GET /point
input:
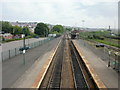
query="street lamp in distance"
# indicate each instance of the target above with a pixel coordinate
(83, 23)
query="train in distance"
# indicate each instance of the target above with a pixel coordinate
(74, 34)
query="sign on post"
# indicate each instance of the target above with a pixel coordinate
(109, 52)
(24, 51)
(23, 35)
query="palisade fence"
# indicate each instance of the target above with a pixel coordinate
(14, 52)
(114, 58)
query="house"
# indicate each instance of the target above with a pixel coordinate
(6, 36)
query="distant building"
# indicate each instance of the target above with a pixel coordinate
(50, 26)
(30, 25)
(6, 36)
(17, 36)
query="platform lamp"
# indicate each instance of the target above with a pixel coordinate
(83, 29)
(24, 46)
(109, 47)
(83, 22)
(28, 41)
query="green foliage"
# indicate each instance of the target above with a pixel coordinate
(58, 28)
(68, 29)
(99, 36)
(6, 27)
(17, 30)
(41, 29)
(33, 35)
(15, 39)
(108, 43)
(54, 32)
(26, 31)
(95, 35)
(9, 40)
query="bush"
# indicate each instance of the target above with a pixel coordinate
(54, 32)
(9, 40)
(108, 43)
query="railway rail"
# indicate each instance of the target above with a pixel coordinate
(68, 70)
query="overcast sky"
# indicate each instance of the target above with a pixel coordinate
(66, 12)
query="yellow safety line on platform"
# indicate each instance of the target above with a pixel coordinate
(42, 74)
(94, 75)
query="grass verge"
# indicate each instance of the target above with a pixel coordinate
(108, 43)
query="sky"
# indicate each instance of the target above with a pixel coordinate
(95, 13)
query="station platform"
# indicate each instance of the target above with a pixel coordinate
(35, 73)
(107, 75)
(31, 69)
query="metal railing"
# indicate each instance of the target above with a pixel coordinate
(14, 52)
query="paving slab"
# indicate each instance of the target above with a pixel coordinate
(28, 78)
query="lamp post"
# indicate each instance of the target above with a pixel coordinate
(116, 58)
(83, 22)
(24, 46)
(83, 29)
(28, 41)
(109, 48)
(109, 59)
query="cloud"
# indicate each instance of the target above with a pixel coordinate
(84, 1)
(95, 13)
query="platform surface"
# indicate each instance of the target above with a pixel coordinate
(18, 75)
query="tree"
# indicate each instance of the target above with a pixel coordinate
(25, 31)
(58, 28)
(6, 27)
(68, 29)
(41, 29)
(17, 30)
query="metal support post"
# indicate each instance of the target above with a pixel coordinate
(109, 59)
(2, 56)
(15, 52)
(9, 54)
(24, 58)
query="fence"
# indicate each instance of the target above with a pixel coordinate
(114, 58)
(110, 56)
(13, 52)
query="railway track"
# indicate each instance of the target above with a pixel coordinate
(67, 69)
(82, 77)
(53, 77)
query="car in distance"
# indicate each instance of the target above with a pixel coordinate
(100, 45)
(36, 37)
